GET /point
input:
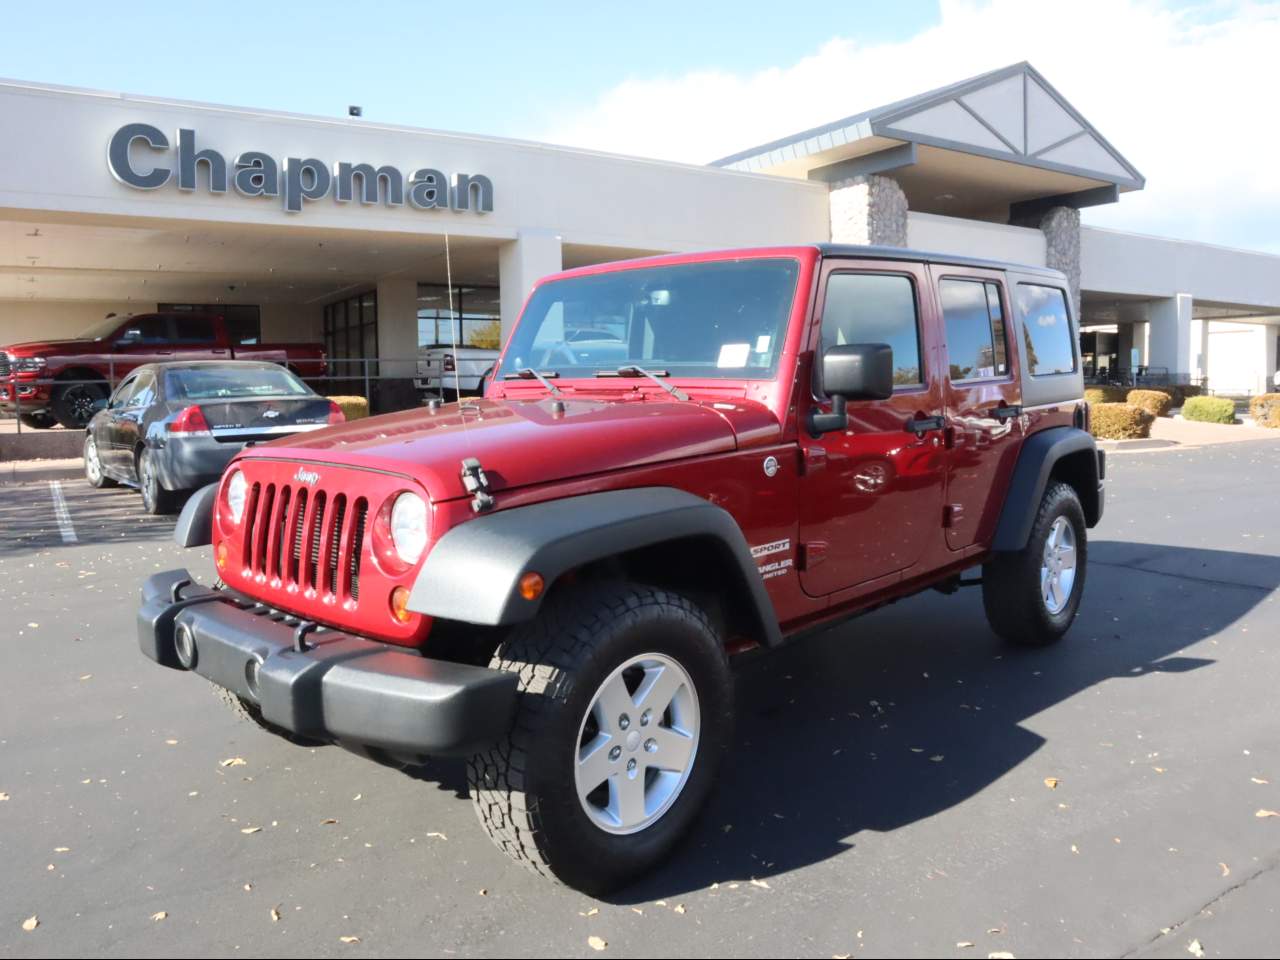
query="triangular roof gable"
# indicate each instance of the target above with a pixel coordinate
(1010, 114)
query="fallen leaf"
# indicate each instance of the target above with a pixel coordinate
(1259, 780)
(327, 820)
(30, 923)
(483, 892)
(159, 915)
(965, 944)
(172, 743)
(437, 834)
(595, 943)
(233, 762)
(937, 758)
(1195, 949)
(1226, 871)
(679, 908)
(3, 796)
(349, 939)
(1267, 813)
(61, 849)
(1052, 782)
(590, 913)
(248, 886)
(87, 676)
(275, 914)
(759, 883)
(1000, 955)
(250, 829)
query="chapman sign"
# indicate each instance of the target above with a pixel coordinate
(298, 180)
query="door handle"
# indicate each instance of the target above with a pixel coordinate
(922, 425)
(1007, 411)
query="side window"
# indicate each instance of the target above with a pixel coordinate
(1046, 329)
(145, 330)
(875, 308)
(144, 391)
(975, 329)
(193, 329)
(125, 388)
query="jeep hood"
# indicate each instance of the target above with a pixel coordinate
(523, 442)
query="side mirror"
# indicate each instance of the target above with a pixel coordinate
(852, 371)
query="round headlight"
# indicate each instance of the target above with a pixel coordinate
(237, 489)
(409, 526)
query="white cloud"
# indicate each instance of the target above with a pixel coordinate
(1188, 96)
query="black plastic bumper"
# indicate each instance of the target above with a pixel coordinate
(341, 688)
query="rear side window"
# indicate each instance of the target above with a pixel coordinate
(146, 330)
(144, 391)
(975, 329)
(190, 329)
(1046, 329)
(875, 308)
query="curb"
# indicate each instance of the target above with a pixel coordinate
(31, 471)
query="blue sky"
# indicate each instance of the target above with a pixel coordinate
(694, 81)
(503, 68)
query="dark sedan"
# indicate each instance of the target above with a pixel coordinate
(172, 427)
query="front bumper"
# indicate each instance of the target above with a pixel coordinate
(376, 698)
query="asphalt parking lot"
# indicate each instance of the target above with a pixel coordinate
(902, 785)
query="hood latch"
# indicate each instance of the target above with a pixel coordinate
(477, 484)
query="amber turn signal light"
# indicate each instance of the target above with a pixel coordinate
(400, 604)
(220, 554)
(531, 586)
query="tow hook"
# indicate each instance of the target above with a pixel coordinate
(477, 484)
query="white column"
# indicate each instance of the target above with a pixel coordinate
(521, 263)
(1171, 334)
(1200, 364)
(398, 325)
(1271, 334)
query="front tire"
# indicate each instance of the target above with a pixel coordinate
(93, 471)
(625, 710)
(1032, 596)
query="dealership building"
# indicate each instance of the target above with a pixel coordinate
(366, 235)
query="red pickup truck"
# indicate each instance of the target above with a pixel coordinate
(61, 381)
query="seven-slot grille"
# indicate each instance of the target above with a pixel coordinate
(308, 539)
(6, 365)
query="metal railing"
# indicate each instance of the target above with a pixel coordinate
(389, 384)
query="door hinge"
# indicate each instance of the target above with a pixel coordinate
(952, 514)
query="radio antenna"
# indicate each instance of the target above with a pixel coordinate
(453, 331)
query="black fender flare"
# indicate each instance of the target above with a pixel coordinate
(472, 573)
(195, 522)
(1040, 453)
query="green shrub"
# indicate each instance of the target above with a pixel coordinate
(353, 408)
(1265, 410)
(1119, 421)
(1104, 394)
(1209, 409)
(1155, 402)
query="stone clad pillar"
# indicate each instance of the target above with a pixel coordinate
(521, 263)
(868, 210)
(1061, 229)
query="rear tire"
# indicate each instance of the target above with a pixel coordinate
(156, 500)
(594, 655)
(1032, 596)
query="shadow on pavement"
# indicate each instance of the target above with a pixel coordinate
(28, 522)
(828, 729)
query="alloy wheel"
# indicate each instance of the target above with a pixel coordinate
(637, 743)
(1058, 566)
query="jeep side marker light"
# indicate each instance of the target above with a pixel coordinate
(400, 604)
(531, 585)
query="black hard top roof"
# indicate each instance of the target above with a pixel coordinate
(925, 256)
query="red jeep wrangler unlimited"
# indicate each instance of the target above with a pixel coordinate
(550, 580)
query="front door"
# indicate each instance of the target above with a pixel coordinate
(106, 434)
(871, 495)
(984, 421)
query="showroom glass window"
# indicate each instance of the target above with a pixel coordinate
(1046, 329)
(351, 339)
(476, 317)
(875, 308)
(974, 320)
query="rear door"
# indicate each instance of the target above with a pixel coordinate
(871, 495)
(984, 423)
(195, 337)
(127, 422)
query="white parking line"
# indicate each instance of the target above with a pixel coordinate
(62, 513)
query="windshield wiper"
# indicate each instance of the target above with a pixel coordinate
(635, 371)
(528, 373)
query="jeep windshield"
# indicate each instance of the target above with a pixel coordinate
(712, 319)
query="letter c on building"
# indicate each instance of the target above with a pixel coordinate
(118, 156)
